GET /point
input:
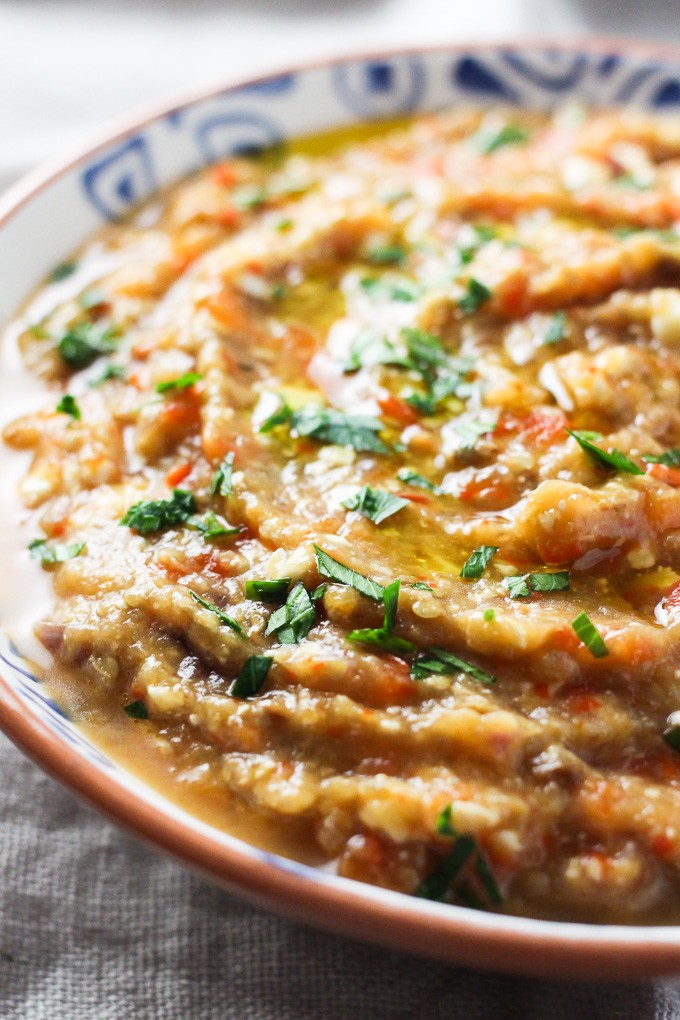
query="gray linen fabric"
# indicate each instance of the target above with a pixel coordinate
(95, 926)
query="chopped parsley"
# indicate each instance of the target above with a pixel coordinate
(269, 591)
(222, 479)
(228, 621)
(613, 460)
(477, 295)
(57, 553)
(443, 374)
(151, 515)
(484, 234)
(69, 405)
(84, 343)
(510, 134)
(375, 504)
(338, 572)
(110, 371)
(212, 526)
(251, 678)
(555, 329)
(283, 225)
(588, 633)
(470, 432)
(136, 710)
(370, 348)
(296, 617)
(464, 872)
(421, 586)
(521, 585)
(383, 637)
(249, 197)
(395, 288)
(671, 458)
(476, 564)
(183, 382)
(386, 255)
(62, 272)
(438, 660)
(281, 416)
(413, 478)
(329, 426)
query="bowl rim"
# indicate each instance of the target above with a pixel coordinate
(499, 942)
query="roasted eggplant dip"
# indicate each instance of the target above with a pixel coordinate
(357, 479)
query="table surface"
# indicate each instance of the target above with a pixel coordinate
(92, 924)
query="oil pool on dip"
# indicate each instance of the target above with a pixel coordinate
(357, 480)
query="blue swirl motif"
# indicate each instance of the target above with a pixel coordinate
(121, 178)
(233, 133)
(18, 674)
(384, 88)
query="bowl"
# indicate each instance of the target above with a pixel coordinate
(76, 196)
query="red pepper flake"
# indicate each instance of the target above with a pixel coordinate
(178, 473)
(397, 409)
(665, 473)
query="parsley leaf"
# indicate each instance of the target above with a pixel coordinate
(555, 329)
(386, 255)
(477, 295)
(392, 288)
(51, 554)
(338, 572)
(294, 620)
(84, 343)
(281, 416)
(228, 621)
(509, 134)
(329, 426)
(212, 526)
(613, 460)
(445, 878)
(136, 710)
(413, 478)
(222, 479)
(438, 660)
(69, 405)
(382, 637)
(370, 348)
(111, 371)
(470, 431)
(268, 591)
(671, 458)
(149, 516)
(62, 272)
(421, 586)
(183, 382)
(251, 678)
(476, 564)
(588, 633)
(521, 585)
(375, 504)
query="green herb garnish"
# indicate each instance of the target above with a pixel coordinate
(471, 431)
(252, 677)
(386, 255)
(136, 710)
(228, 621)
(477, 563)
(477, 295)
(370, 348)
(281, 416)
(294, 620)
(382, 637)
(330, 426)
(446, 878)
(555, 330)
(268, 591)
(375, 504)
(69, 405)
(250, 196)
(62, 272)
(671, 458)
(421, 586)
(509, 134)
(183, 382)
(149, 516)
(84, 343)
(613, 460)
(222, 479)
(590, 636)
(521, 585)
(109, 372)
(57, 553)
(438, 660)
(212, 526)
(413, 478)
(400, 288)
(338, 572)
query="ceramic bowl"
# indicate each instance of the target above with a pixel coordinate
(53, 210)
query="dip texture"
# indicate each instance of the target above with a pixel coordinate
(358, 479)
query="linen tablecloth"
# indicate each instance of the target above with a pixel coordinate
(93, 925)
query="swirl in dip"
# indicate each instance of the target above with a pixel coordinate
(357, 477)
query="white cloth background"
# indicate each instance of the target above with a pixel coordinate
(93, 926)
